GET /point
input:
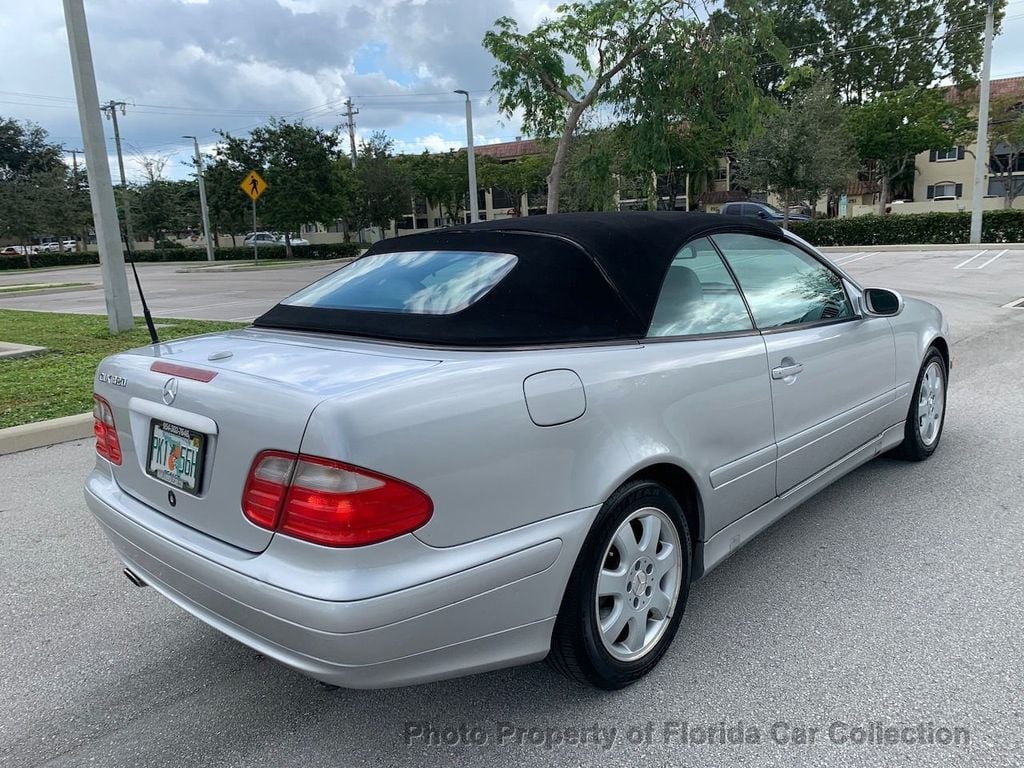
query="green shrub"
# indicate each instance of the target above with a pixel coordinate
(1006, 226)
(323, 251)
(54, 259)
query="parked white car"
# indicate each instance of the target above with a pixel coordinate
(18, 250)
(53, 246)
(296, 240)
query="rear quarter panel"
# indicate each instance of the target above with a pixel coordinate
(462, 433)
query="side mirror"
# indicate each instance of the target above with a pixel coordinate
(761, 214)
(881, 302)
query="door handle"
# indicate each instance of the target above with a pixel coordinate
(785, 371)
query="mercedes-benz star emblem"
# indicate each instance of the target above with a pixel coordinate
(170, 391)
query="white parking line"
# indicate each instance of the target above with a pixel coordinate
(964, 263)
(992, 259)
(860, 258)
(844, 256)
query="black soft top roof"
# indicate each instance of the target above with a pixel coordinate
(580, 277)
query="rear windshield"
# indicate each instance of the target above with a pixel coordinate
(414, 282)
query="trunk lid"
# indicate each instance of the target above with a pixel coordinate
(265, 387)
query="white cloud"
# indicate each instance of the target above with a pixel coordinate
(200, 66)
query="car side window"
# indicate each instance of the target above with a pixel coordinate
(698, 296)
(782, 284)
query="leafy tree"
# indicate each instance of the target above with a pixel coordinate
(516, 177)
(593, 170)
(351, 198)
(297, 162)
(160, 206)
(868, 47)
(1006, 137)
(443, 179)
(35, 196)
(25, 148)
(803, 152)
(230, 210)
(894, 127)
(384, 186)
(684, 102)
(781, 34)
(558, 71)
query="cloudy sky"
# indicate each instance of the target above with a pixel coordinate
(193, 66)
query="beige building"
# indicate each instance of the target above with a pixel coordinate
(944, 180)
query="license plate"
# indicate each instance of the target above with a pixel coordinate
(176, 455)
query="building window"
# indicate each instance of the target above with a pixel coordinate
(997, 187)
(945, 190)
(946, 155)
(722, 173)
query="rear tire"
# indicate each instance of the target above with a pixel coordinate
(628, 589)
(927, 413)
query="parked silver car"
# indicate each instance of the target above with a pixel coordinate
(486, 445)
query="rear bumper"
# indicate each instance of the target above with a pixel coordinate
(494, 607)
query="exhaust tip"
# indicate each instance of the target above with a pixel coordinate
(133, 578)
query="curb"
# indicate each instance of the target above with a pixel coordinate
(25, 437)
(44, 291)
(922, 247)
(227, 267)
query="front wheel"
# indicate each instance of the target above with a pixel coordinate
(627, 592)
(927, 413)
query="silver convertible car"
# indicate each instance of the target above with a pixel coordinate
(487, 445)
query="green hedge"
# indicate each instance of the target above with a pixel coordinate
(912, 228)
(323, 251)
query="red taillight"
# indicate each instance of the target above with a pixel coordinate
(107, 443)
(329, 502)
(266, 487)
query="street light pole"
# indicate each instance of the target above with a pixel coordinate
(981, 150)
(207, 234)
(474, 203)
(101, 189)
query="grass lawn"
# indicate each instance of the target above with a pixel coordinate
(59, 383)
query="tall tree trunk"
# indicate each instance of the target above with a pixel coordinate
(787, 194)
(287, 245)
(883, 193)
(561, 153)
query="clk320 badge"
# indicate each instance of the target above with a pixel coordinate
(111, 379)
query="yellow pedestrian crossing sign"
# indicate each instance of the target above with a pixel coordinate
(253, 185)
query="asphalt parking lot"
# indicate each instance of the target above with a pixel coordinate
(240, 294)
(893, 597)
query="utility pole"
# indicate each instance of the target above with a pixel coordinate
(350, 115)
(981, 153)
(74, 160)
(110, 110)
(204, 208)
(101, 191)
(474, 201)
